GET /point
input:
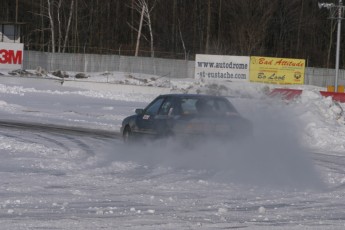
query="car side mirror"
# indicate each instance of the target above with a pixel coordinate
(139, 111)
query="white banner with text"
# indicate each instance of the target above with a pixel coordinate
(219, 67)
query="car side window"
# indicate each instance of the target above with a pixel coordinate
(188, 106)
(166, 106)
(153, 108)
(223, 106)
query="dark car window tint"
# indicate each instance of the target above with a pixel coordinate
(154, 107)
(206, 106)
(165, 108)
(223, 106)
(188, 106)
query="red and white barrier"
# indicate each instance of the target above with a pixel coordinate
(290, 94)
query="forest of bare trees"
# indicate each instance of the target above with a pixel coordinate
(178, 28)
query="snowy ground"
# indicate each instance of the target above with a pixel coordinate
(290, 176)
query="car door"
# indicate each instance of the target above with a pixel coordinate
(146, 121)
(163, 121)
(157, 117)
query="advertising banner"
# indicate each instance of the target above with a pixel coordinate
(218, 67)
(277, 70)
(11, 55)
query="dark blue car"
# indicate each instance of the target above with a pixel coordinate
(186, 116)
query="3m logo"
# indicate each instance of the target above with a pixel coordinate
(11, 56)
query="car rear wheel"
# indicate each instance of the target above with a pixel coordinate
(127, 134)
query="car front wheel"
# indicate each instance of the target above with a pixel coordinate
(127, 134)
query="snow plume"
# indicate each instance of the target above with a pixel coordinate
(323, 121)
(274, 156)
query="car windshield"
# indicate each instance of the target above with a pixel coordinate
(205, 105)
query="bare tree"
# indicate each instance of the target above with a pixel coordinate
(332, 29)
(41, 26)
(139, 30)
(219, 22)
(59, 25)
(182, 41)
(294, 28)
(52, 24)
(76, 28)
(173, 27)
(249, 22)
(208, 27)
(145, 17)
(149, 24)
(68, 26)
